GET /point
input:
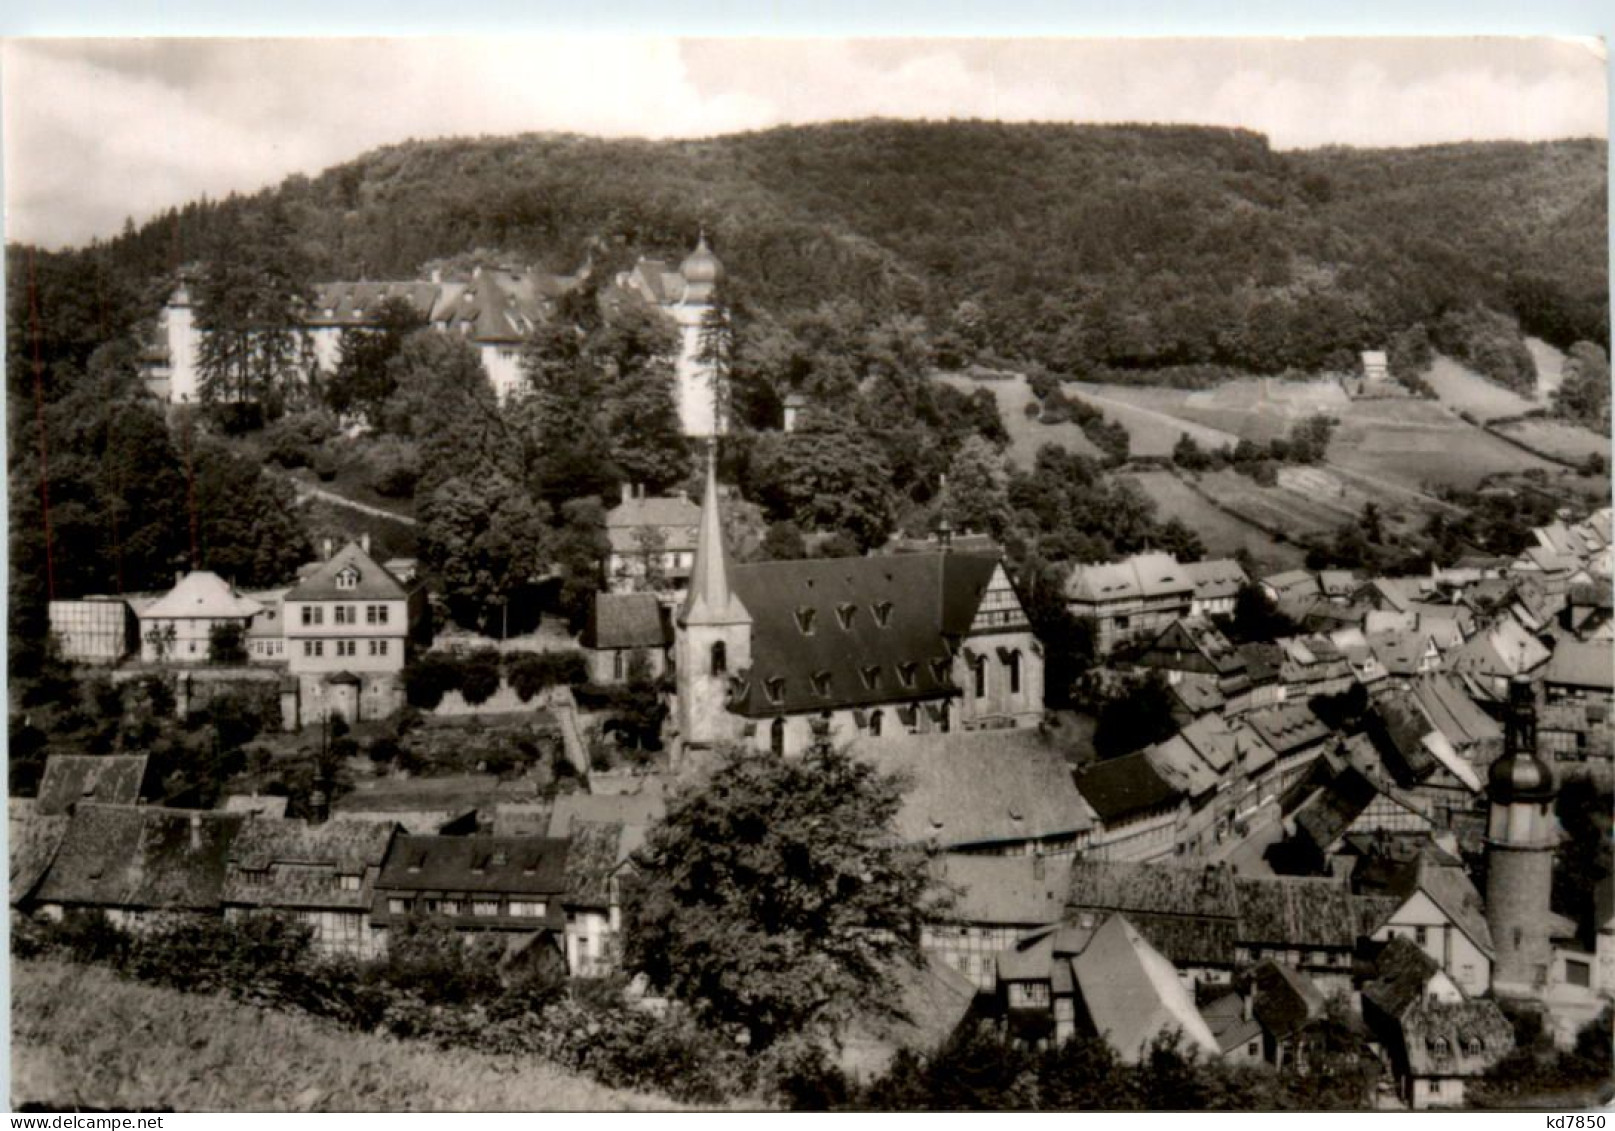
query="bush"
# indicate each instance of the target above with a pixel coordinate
(479, 676)
(295, 440)
(324, 465)
(395, 468)
(430, 677)
(532, 672)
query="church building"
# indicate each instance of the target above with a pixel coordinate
(776, 654)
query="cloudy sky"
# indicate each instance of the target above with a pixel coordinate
(97, 130)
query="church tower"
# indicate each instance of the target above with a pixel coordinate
(714, 632)
(1520, 837)
(700, 404)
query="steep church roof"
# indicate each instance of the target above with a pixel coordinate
(711, 600)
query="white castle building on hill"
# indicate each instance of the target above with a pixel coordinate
(494, 309)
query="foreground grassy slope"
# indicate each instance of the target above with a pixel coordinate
(81, 1037)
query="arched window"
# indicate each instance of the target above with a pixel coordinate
(980, 667)
(720, 658)
(776, 736)
(1014, 673)
(874, 724)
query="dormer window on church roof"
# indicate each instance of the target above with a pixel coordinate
(906, 672)
(844, 613)
(821, 684)
(871, 676)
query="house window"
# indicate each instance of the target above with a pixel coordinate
(1420, 935)
(381, 647)
(347, 883)
(485, 907)
(720, 658)
(616, 664)
(341, 616)
(1578, 973)
(375, 614)
(776, 736)
(398, 907)
(526, 908)
(348, 579)
(875, 719)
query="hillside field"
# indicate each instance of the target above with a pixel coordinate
(83, 1038)
(1026, 434)
(1222, 533)
(1558, 438)
(1464, 390)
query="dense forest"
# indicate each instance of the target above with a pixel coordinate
(859, 255)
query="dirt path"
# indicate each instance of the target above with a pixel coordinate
(308, 491)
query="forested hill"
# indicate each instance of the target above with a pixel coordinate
(1074, 247)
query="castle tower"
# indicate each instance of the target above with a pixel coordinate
(714, 632)
(700, 412)
(1520, 837)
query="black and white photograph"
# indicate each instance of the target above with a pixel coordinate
(559, 573)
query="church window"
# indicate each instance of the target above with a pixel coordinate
(776, 736)
(1012, 663)
(844, 613)
(883, 613)
(720, 658)
(979, 666)
(805, 615)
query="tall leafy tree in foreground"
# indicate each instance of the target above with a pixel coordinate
(775, 895)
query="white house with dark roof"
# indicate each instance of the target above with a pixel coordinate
(648, 535)
(177, 628)
(998, 901)
(347, 623)
(627, 636)
(1440, 912)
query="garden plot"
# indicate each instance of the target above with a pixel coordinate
(1026, 434)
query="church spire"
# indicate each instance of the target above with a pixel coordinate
(711, 601)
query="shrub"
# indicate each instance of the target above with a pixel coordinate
(429, 678)
(294, 441)
(532, 672)
(479, 676)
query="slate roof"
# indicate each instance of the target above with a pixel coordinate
(676, 516)
(1285, 999)
(1342, 798)
(1217, 578)
(1198, 693)
(355, 303)
(374, 583)
(1263, 662)
(1397, 728)
(1337, 582)
(1131, 993)
(1505, 649)
(1584, 665)
(930, 600)
(141, 857)
(1006, 890)
(106, 779)
(1178, 765)
(261, 804)
(201, 594)
(1140, 576)
(1188, 913)
(1199, 635)
(627, 620)
(572, 809)
(1430, 1027)
(280, 863)
(980, 787)
(1452, 712)
(1119, 789)
(1287, 729)
(507, 865)
(33, 839)
(1401, 972)
(1297, 911)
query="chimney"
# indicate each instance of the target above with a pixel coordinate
(196, 832)
(179, 576)
(326, 549)
(364, 543)
(627, 492)
(437, 275)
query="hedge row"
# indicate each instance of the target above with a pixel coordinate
(477, 675)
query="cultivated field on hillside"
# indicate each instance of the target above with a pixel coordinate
(1464, 390)
(1222, 533)
(1422, 446)
(1557, 438)
(83, 1038)
(1152, 428)
(1026, 434)
(1257, 409)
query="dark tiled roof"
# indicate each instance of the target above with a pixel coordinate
(1188, 914)
(1285, 998)
(280, 863)
(1119, 788)
(1011, 890)
(627, 620)
(1397, 728)
(70, 779)
(1297, 912)
(932, 600)
(1288, 728)
(374, 583)
(142, 858)
(1343, 797)
(1401, 972)
(980, 787)
(592, 856)
(1457, 1039)
(505, 865)
(1219, 577)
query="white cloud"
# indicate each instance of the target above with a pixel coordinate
(97, 130)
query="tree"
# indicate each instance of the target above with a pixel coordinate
(580, 553)
(1583, 394)
(365, 377)
(775, 895)
(250, 299)
(247, 523)
(976, 495)
(1135, 714)
(484, 541)
(825, 478)
(1256, 617)
(650, 546)
(783, 542)
(1188, 455)
(227, 643)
